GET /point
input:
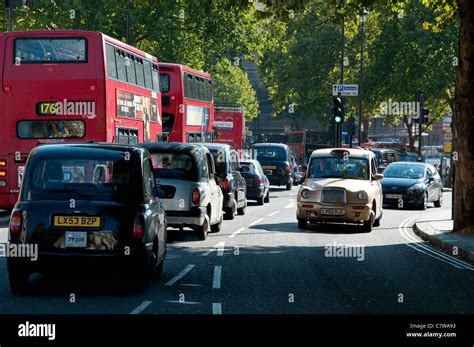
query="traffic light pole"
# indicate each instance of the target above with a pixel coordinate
(420, 123)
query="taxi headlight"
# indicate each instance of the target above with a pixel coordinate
(362, 195)
(305, 193)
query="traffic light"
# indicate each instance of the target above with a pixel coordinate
(425, 111)
(338, 111)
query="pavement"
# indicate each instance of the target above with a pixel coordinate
(438, 229)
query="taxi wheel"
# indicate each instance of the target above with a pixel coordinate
(19, 282)
(241, 211)
(288, 186)
(216, 227)
(367, 227)
(267, 197)
(202, 229)
(302, 223)
(261, 201)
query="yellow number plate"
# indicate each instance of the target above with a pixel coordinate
(76, 221)
(271, 167)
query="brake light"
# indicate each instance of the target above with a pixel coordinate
(3, 173)
(15, 223)
(196, 196)
(225, 184)
(139, 226)
(7, 88)
(255, 181)
(3, 163)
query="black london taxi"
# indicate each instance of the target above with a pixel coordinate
(88, 207)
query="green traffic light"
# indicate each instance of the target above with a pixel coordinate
(337, 119)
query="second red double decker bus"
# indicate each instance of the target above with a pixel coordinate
(61, 85)
(188, 104)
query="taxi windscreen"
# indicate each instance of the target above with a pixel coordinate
(339, 167)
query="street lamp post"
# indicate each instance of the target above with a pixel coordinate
(363, 17)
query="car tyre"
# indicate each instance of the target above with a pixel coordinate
(261, 201)
(230, 212)
(367, 226)
(302, 223)
(19, 281)
(288, 186)
(241, 211)
(202, 229)
(216, 227)
(424, 203)
(377, 221)
(267, 197)
(439, 202)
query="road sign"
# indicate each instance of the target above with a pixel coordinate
(345, 89)
(448, 137)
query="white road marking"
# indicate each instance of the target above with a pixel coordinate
(422, 248)
(216, 308)
(216, 284)
(180, 275)
(256, 222)
(236, 232)
(220, 247)
(273, 213)
(183, 302)
(141, 307)
(291, 204)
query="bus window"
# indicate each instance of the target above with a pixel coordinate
(111, 66)
(156, 79)
(51, 50)
(140, 72)
(164, 83)
(51, 129)
(121, 68)
(148, 79)
(130, 64)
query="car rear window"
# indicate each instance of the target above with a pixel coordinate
(219, 161)
(272, 153)
(178, 166)
(248, 167)
(94, 179)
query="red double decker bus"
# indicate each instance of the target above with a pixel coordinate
(61, 86)
(303, 142)
(229, 124)
(188, 104)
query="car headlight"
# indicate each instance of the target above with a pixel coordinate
(305, 193)
(417, 186)
(362, 195)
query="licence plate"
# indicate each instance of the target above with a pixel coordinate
(76, 239)
(333, 211)
(394, 196)
(76, 221)
(272, 167)
(268, 172)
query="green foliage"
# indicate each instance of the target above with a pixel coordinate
(232, 86)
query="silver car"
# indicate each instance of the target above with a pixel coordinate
(185, 173)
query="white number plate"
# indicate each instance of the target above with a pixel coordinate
(333, 211)
(76, 239)
(393, 196)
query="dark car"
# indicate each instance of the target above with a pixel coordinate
(384, 157)
(185, 172)
(412, 184)
(258, 186)
(230, 180)
(88, 207)
(275, 161)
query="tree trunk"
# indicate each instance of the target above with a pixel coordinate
(464, 122)
(365, 133)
